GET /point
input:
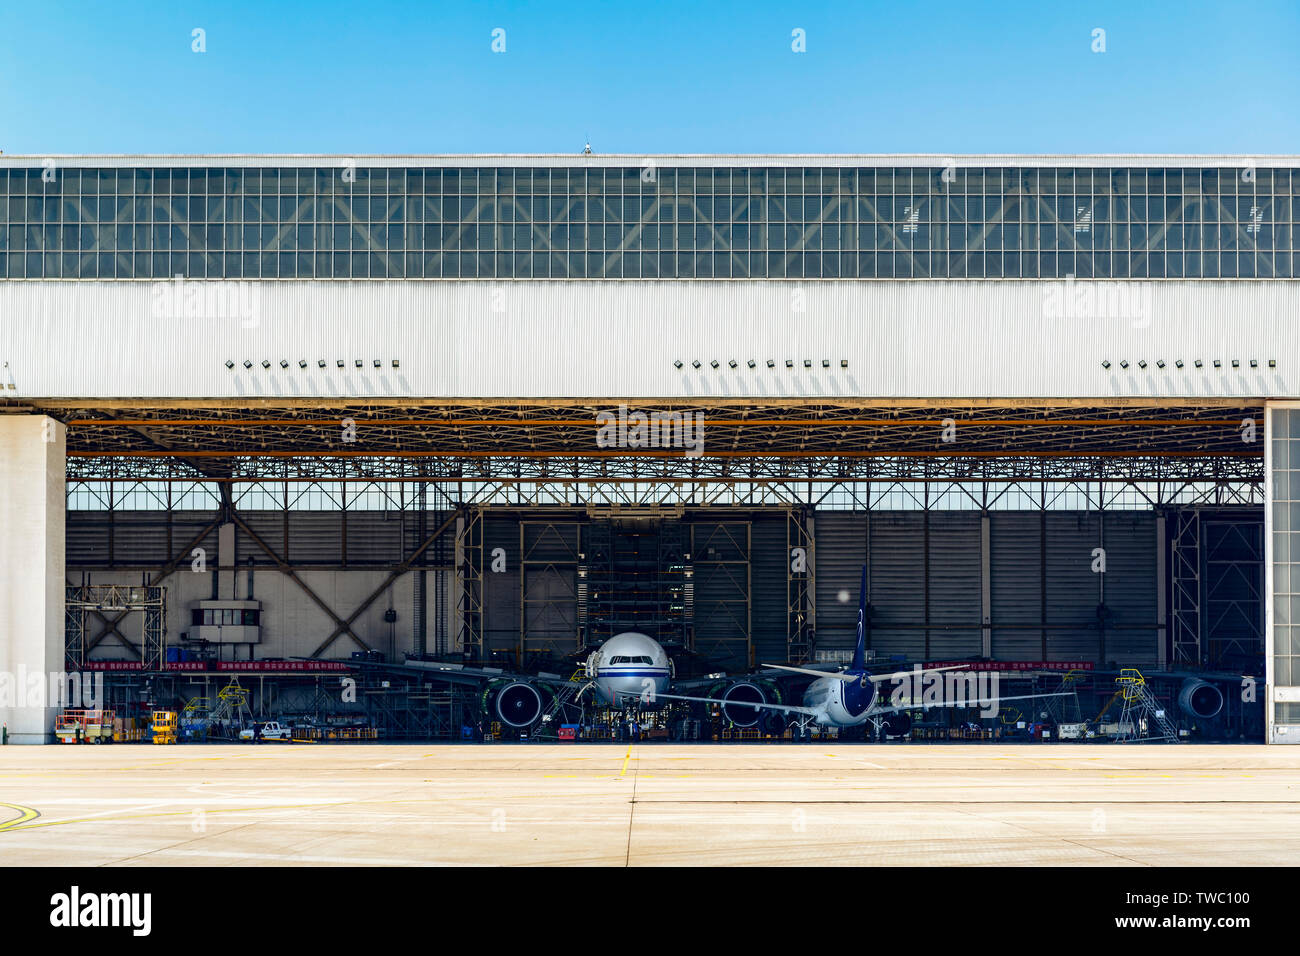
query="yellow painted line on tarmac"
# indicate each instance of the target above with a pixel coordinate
(24, 815)
(21, 825)
(626, 758)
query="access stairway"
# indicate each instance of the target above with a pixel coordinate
(1142, 717)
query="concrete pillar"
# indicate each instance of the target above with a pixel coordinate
(1282, 571)
(227, 562)
(33, 505)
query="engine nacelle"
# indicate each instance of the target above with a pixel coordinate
(518, 704)
(738, 695)
(1200, 699)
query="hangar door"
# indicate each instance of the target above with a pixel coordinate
(1046, 601)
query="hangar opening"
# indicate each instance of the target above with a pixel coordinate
(289, 565)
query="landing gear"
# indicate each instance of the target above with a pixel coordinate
(801, 729)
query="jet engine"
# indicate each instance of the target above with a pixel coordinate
(737, 696)
(1199, 699)
(518, 704)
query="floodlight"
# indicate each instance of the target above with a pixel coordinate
(230, 363)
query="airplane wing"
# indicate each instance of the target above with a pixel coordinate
(874, 678)
(976, 703)
(461, 674)
(837, 675)
(782, 708)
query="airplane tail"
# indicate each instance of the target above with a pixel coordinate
(860, 649)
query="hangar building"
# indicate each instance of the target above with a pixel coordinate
(273, 412)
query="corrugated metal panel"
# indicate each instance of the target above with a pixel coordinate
(139, 538)
(1072, 586)
(101, 339)
(501, 588)
(315, 537)
(374, 537)
(86, 539)
(1131, 587)
(897, 583)
(840, 550)
(768, 575)
(955, 584)
(1015, 558)
(268, 526)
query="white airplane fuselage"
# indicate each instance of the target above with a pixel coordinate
(629, 667)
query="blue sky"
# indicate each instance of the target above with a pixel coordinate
(364, 77)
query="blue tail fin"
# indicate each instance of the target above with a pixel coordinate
(860, 650)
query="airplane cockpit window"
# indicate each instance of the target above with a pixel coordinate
(631, 659)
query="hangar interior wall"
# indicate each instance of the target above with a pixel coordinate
(927, 572)
(925, 584)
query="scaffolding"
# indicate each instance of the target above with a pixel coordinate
(82, 602)
(469, 583)
(800, 588)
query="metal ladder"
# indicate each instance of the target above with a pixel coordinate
(549, 727)
(1139, 704)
